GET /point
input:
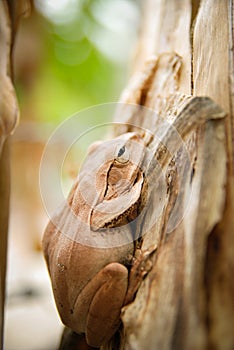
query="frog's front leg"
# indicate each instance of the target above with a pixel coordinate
(100, 303)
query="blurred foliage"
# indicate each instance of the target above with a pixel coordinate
(81, 57)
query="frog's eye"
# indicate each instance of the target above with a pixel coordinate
(122, 155)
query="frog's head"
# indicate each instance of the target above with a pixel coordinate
(112, 182)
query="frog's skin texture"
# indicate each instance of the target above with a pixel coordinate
(90, 283)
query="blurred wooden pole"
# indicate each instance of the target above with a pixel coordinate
(4, 214)
(10, 11)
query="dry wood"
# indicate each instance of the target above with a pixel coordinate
(186, 301)
(213, 76)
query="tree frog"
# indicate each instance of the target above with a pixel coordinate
(90, 244)
(90, 280)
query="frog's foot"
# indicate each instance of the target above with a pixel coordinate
(141, 266)
(107, 291)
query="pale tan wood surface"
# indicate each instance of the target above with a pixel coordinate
(186, 301)
(213, 76)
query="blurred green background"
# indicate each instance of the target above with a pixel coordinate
(69, 55)
(73, 54)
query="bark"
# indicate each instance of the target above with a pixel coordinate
(10, 11)
(186, 301)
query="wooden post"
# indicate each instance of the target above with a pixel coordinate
(10, 11)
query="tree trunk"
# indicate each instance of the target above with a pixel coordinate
(186, 300)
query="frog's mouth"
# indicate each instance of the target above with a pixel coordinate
(121, 202)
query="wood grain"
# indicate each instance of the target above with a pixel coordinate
(186, 301)
(213, 75)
